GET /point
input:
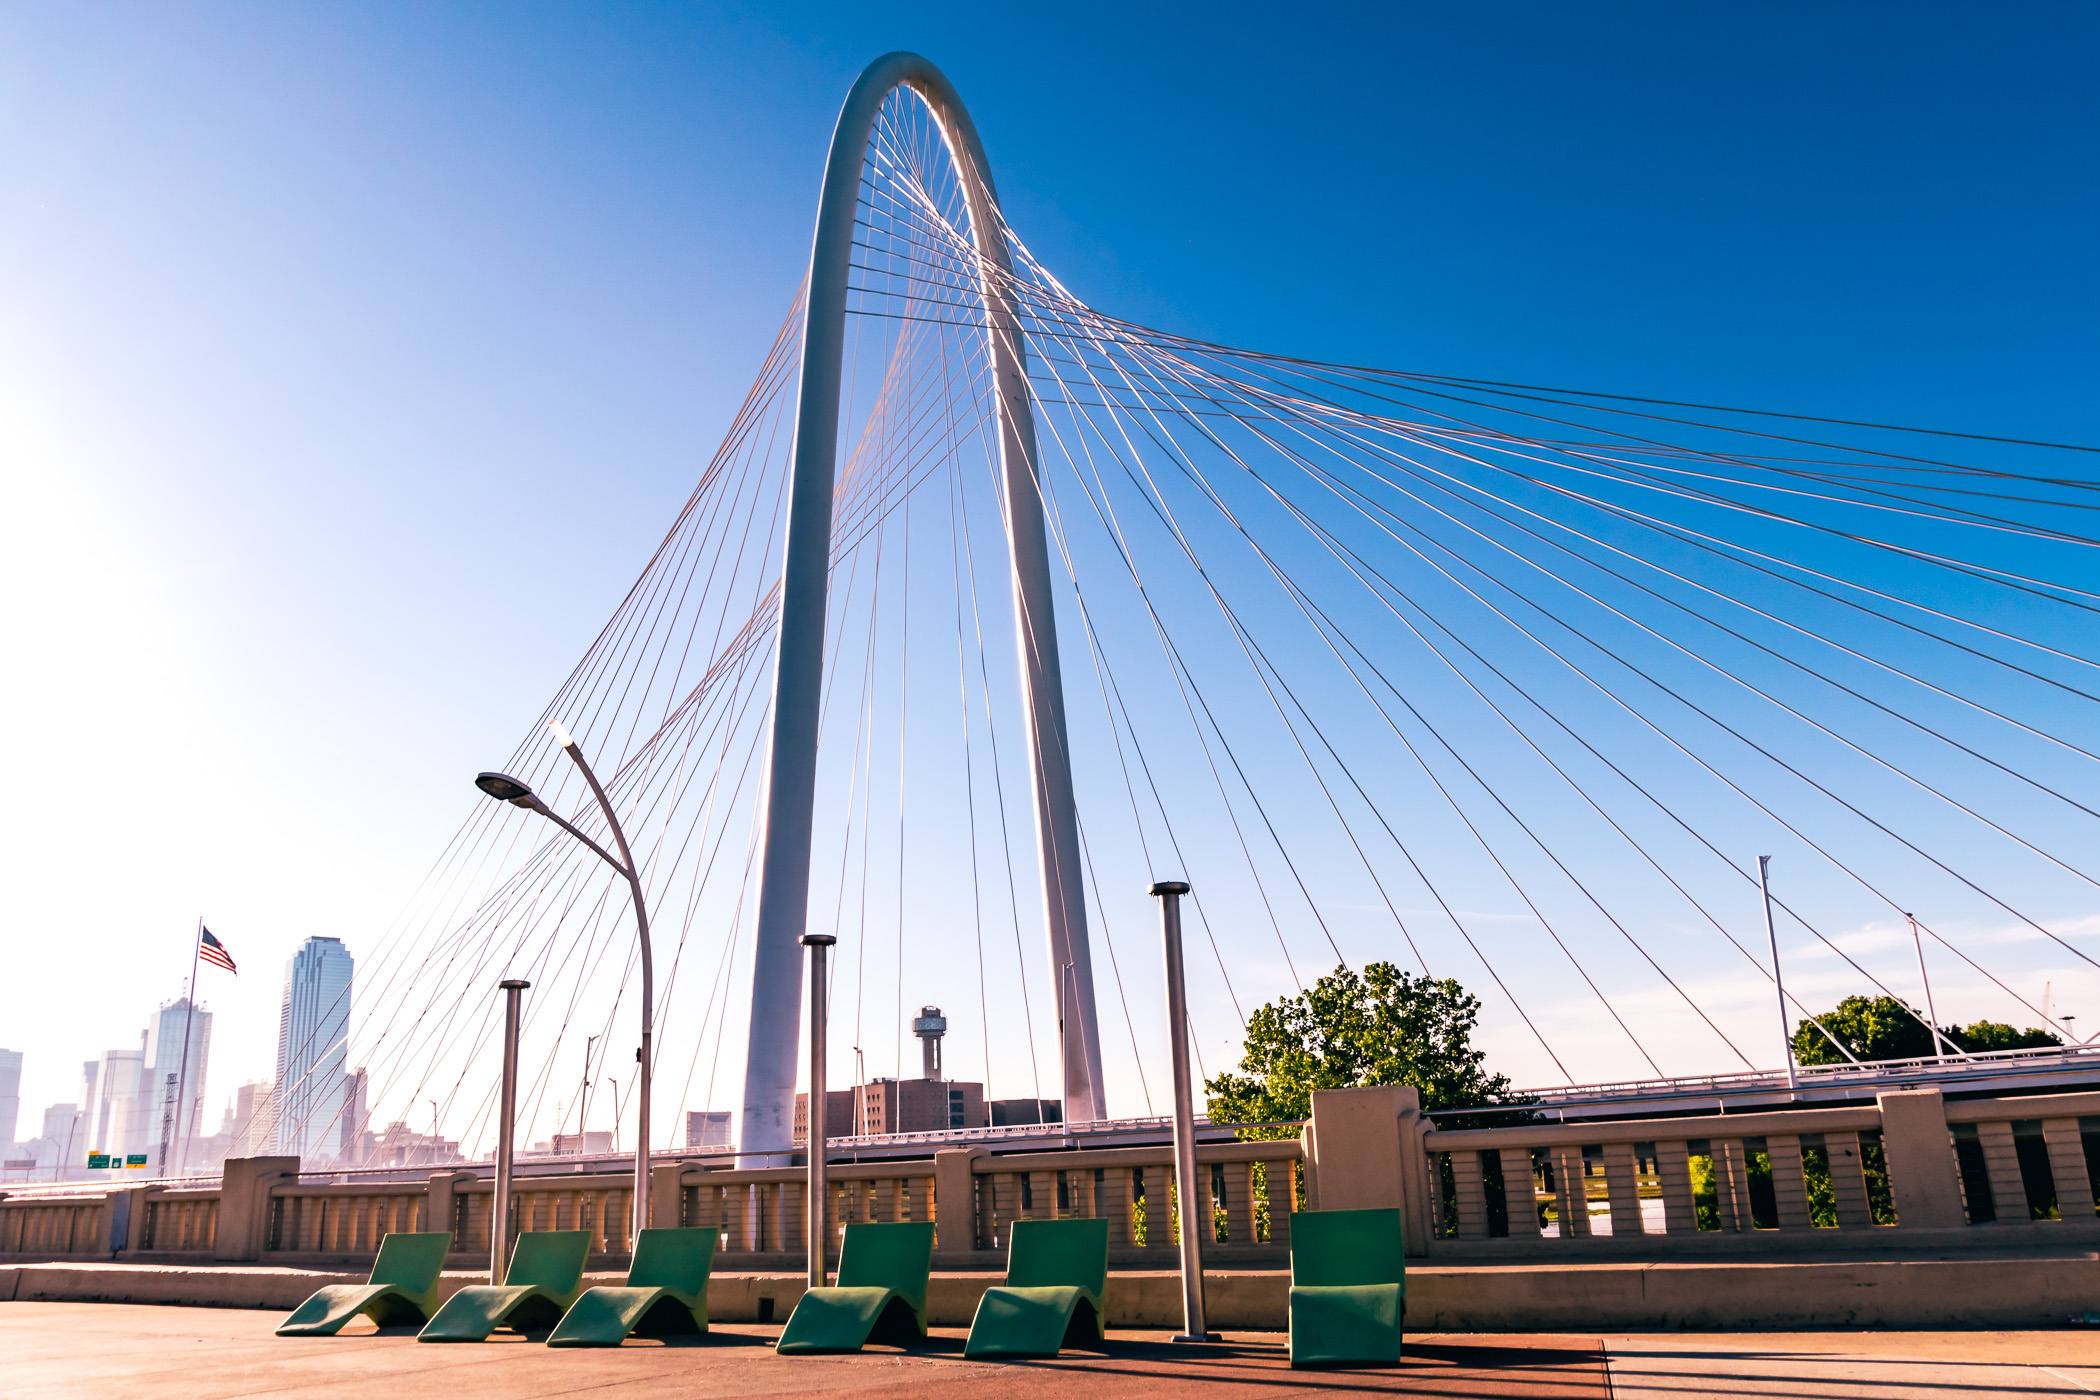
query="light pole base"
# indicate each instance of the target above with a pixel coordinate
(1194, 1337)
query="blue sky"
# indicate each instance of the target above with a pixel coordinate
(351, 362)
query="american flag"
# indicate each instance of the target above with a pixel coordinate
(214, 952)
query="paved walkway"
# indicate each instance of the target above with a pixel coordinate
(1891, 1365)
(66, 1351)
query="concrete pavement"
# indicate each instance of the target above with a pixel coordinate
(63, 1351)
(1888, 1365)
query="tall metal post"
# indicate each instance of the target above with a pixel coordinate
(1932, 1015)
(645, 1057)
(818, 944)
(505, 788)
(783, 894)
(506, 1116)
(182, 1076)
(1786, 1039)
(583, 1098)
(1192, 1195)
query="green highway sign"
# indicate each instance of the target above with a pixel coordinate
(97, 1161)
(136, 1159)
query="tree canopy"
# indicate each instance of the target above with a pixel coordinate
(1382, 1026)
(1885, 1028)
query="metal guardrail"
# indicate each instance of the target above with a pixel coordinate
(1988, 1072)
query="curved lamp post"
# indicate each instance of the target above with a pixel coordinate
(505, 788)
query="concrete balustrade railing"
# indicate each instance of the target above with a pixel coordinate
(1800, 1179)
(1251, 1196)
(1777, 1182)
(55, 1226)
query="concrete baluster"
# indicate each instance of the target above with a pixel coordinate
(1520, 1193)
(1731, 1184)
(1848, 1180)
(1673, 1169)
(1570, 1199)
(2074, 1186)
(2001, 1161)
(1239, 1202)
(1471, 1194)
(1789, 1186)
(1622, 1189)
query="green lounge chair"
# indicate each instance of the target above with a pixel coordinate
(666, 1293)
(403, 1288)
(1348, 1287)
(545, 1275)
(880, 1296)
(1056, 1273)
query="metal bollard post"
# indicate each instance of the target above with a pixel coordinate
(1193, 1195)
(819, 1217)
(507, 1112)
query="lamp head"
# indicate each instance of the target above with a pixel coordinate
(505, 788)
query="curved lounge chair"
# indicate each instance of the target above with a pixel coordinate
(1348, 1287)
(545, 1275)
(403, 1288)
(1056, 1272)
(665, 1294)
(880, 1295)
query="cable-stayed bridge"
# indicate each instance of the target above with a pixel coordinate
(990, 608)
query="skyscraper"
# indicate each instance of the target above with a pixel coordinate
(10, 1094)
(313, 1052)
(254, 1120)
(114, 1108)
(167, 1077)
(351, 1150)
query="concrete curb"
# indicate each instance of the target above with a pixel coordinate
(2002, 1293)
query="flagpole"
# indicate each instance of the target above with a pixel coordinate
(182, 1082)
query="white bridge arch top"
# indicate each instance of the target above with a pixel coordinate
(767, 1122)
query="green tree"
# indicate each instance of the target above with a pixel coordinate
(1981, 1036)
(1884, 1028)
(1382, 1026)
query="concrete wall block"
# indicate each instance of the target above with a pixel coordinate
(244, 1204)
(2003, 1293)
(2010, 1293)
(438, 1210)
(1919, 1150)
(1356, 1141)
(665, 1195)
(954, 1200)
(1418, 1189)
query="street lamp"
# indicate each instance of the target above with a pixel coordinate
(505, 788)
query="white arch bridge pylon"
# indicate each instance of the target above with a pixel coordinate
(1493, 682)
(791, 759)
